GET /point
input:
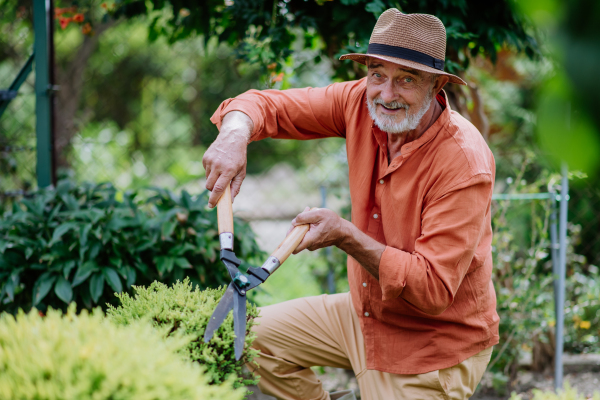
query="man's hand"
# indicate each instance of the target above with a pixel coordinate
(225, 160)
(326, 229)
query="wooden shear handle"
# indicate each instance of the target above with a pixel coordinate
(225, 211)
(291, 242)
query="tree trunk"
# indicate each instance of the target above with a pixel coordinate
(70, 82)
(478, 117)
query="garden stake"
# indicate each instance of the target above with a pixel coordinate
(235, 295)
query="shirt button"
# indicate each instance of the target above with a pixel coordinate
(375, 216)
(366, 314)
(365, 284)
(381, 181)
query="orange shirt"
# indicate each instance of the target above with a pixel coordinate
(434, 304)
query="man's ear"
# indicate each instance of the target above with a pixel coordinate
(440, 83)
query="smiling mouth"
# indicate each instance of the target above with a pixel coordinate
(392, 109)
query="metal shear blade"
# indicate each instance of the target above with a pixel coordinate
(234, 299)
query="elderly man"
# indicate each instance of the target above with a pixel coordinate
(420, 319)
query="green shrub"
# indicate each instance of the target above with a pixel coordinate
(568, 394)
(70, 243)
(185, 311)
(87, 357)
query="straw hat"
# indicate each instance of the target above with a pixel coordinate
(415, 41)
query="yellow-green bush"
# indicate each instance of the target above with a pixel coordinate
(185, 311)
(85, 357)
(568, 394)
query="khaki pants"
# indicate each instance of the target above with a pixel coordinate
(325, 331)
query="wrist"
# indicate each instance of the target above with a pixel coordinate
(346, 235)
(236, 126)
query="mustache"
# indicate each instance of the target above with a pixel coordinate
(392, 105)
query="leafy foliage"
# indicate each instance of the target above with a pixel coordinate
(264, 30)
(87, 357)
(568, 393)
(186, 312)
(523, 279)
(81, 243)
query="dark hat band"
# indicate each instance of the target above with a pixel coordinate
(406, 54)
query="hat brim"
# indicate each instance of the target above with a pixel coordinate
(362, 59)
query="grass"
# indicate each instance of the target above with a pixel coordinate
(291, 281)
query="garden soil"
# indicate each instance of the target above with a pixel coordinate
(584, 381)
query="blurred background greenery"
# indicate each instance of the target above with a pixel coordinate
(139, 80)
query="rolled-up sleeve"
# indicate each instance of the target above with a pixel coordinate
(308, 113)
(452, 226)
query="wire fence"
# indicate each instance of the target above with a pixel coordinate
(17, 123)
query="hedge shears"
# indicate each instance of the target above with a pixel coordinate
(235, 295)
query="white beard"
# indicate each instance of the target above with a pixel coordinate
(388, 124)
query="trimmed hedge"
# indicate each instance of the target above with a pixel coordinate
(183, 311)
(84, 242)
(87, 357)
(568, 393)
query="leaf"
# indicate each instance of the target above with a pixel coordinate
(167, 229)
(60, 231)
(12, 283)
(182, 262)
(186, 199)
(70, 202)
(164, 264)
(85, 297)
(142, 267)
(180, 250)
(376, 7)
(83, 234)
(95, 249)
(63, 289)
(67, 267)
(130, 275)
(116, 223)
(96, 286)
(112, 277)
(116, 261)
(178, 274)
(84, 271)
(5, 245)
(28, 252)
(146, 244)
(42, 286)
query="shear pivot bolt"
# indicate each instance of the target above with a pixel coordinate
(241, 280)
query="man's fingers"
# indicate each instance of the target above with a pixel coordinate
(236, 184)
(217, 190)
(211, 178)
(306, 217)
(302, 245)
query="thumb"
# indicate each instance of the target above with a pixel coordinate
(301, 218)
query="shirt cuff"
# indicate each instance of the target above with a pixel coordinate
(394, 266)
(245, 106)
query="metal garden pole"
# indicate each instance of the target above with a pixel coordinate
(42, 23)
(554, 247)
(562, 268)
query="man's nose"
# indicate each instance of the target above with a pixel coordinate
(388, 93)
